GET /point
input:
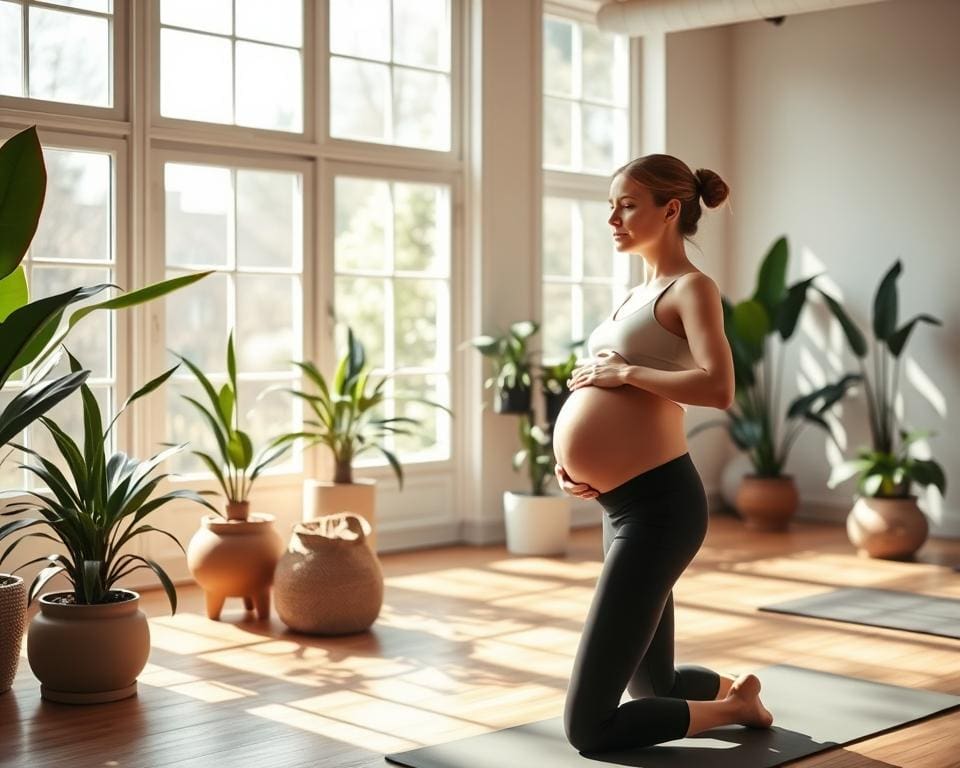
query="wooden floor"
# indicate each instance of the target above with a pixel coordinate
(472, 640)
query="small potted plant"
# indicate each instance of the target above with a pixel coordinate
(88, 645)
(768, 498)
(511, 366)
(553, 384)
(536, 522)
(886, 521)
(346, 418)
(233, 556)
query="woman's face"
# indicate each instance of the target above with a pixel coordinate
(636, 220)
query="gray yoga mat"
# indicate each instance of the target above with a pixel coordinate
(879, 608)
(813, 711)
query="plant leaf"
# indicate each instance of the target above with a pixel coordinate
(23, 185)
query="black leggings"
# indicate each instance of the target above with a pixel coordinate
(653, 525)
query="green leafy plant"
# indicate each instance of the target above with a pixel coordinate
(885, 469)
(510, 356)
(96, 508)
(29, 328)
(753, 420)
(553, 378)
(238, 466)
(536, 450)
(345, 417)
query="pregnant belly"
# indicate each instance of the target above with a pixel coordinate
(604, 436)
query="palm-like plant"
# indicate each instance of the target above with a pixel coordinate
(96, 510)
(344, 412)
(885, 469)
(238, 466)
(752, 422)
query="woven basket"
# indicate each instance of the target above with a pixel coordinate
(13, 618)
(329, 580)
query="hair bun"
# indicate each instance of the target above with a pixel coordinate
(713, 189)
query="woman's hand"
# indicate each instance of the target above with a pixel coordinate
(580, 490)
(605, 370)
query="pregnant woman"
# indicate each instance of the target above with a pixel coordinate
(620, 439)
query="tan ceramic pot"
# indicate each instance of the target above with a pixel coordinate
(88, 654)
(235, 558)
(323, 497)
(13, 617)
(892, 529)
(767, 503)
(329, 580)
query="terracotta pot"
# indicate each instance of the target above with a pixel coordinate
(892, 529)
(329, 581)
(234, 558)
(88, 654)
(767, 503)
(536, 525)
(322, 498)
(13, 618)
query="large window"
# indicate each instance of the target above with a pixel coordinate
(247, 224)
(390, 75)
(75, 245)
(392, 287)
(59, 50)
(233, 61)
(586, 136)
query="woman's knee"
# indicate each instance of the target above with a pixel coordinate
(583, 728)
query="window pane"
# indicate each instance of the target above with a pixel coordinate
(99, 6)
(269, 219)
(279, 21)
(69, 57)
(422, 228)
(557, 237)
(605, 66)
(598, 253)
(75, 222)
(360, 28)
(11, 53)
(557, 311)
(597, 304)
(359, 93)
(269, 87)
(264, 415)
(208, 16)
(196, 76)
(197, 322)
(557, 57)
(89, 341)
(557, 133)
(421, 109)
(199, 215)
(420, 306)
(421, 33)
(360, 303)
(430, 435)
(362, 210)
(186, 425)
(266, 308)
(600, 126)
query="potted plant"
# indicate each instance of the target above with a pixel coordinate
(553, 384)
(536, 523)
(345, 418)
(89, 644)
(886, 520)
(767, 498)
(233, 556)
(511, 366)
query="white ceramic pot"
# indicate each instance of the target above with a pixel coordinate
(536, 525)
(322, 498)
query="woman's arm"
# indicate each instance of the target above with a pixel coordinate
(712, 383)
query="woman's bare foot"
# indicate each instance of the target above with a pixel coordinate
(746, 692)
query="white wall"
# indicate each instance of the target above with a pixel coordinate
(844, 128)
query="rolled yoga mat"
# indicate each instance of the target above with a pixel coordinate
(879, 608)
(813, 711)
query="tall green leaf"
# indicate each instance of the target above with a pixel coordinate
(23, 184)
(771, 280)
(885, 303)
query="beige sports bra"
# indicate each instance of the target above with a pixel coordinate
(640, 339)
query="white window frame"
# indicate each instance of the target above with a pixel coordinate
(119, 83)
